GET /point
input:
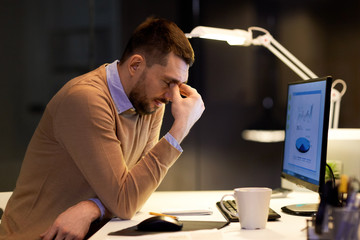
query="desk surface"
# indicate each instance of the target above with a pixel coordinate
(288, 227)
(4, 197)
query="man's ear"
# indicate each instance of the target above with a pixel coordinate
(135, 64)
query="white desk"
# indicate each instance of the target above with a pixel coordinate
(4, 197)
(288, 227)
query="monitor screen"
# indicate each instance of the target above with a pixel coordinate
(306, 129)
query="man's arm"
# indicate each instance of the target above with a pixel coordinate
(74, 223)
(121, 189)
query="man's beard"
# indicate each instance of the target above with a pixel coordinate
(139, 99)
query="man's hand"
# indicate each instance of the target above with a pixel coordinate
(186, 111)
(74, 223)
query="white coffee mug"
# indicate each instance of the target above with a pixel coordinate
(252, 206)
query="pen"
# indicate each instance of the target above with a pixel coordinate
(343, 188)
(161, 214)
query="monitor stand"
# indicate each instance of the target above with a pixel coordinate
(307, 209)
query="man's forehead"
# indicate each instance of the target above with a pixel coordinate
(176, 71)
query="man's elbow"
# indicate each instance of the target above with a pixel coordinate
(127, 214)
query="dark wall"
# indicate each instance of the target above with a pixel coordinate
(44, 43)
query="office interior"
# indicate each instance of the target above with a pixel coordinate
(45, 43)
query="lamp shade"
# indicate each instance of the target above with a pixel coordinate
(231, 36)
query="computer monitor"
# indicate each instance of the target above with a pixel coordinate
(306, 131)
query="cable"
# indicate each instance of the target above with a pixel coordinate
(332, 175)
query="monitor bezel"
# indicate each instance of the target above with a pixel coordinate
(298, 181)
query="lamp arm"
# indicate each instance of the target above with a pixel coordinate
(300, 69)
(285, 60)
(336, 96)
(304, 72)
(293, 59)
(283, 54)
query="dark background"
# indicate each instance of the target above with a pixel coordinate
(44, 43)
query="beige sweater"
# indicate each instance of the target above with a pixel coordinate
(82, 149)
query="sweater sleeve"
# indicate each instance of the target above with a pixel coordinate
(84, 126)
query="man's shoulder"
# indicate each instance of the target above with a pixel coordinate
(96, 78)
(90, 87)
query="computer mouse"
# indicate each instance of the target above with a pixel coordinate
(160, 224)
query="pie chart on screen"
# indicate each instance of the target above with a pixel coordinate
(303, 145)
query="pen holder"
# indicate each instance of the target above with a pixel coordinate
(346, 223)
(342, 224)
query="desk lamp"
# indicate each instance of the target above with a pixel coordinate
(240, 37)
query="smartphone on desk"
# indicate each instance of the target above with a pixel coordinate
(280, 192)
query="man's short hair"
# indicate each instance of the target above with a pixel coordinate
(155, 39)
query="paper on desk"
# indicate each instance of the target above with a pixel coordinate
(212, 234)
(188, 211)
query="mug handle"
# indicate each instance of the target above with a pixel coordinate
(222, 205)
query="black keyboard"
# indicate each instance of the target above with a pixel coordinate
(231, 206)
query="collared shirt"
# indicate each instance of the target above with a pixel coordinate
(117, 91)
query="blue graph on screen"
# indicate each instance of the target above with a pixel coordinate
(305, 113)
(302, 145)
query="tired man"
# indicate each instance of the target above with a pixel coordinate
(96, 152)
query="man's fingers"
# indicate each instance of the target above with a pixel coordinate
(49, 234)
(60, 236)
(175, 92)
(182, 90)
(186, 90)
(43, 234)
